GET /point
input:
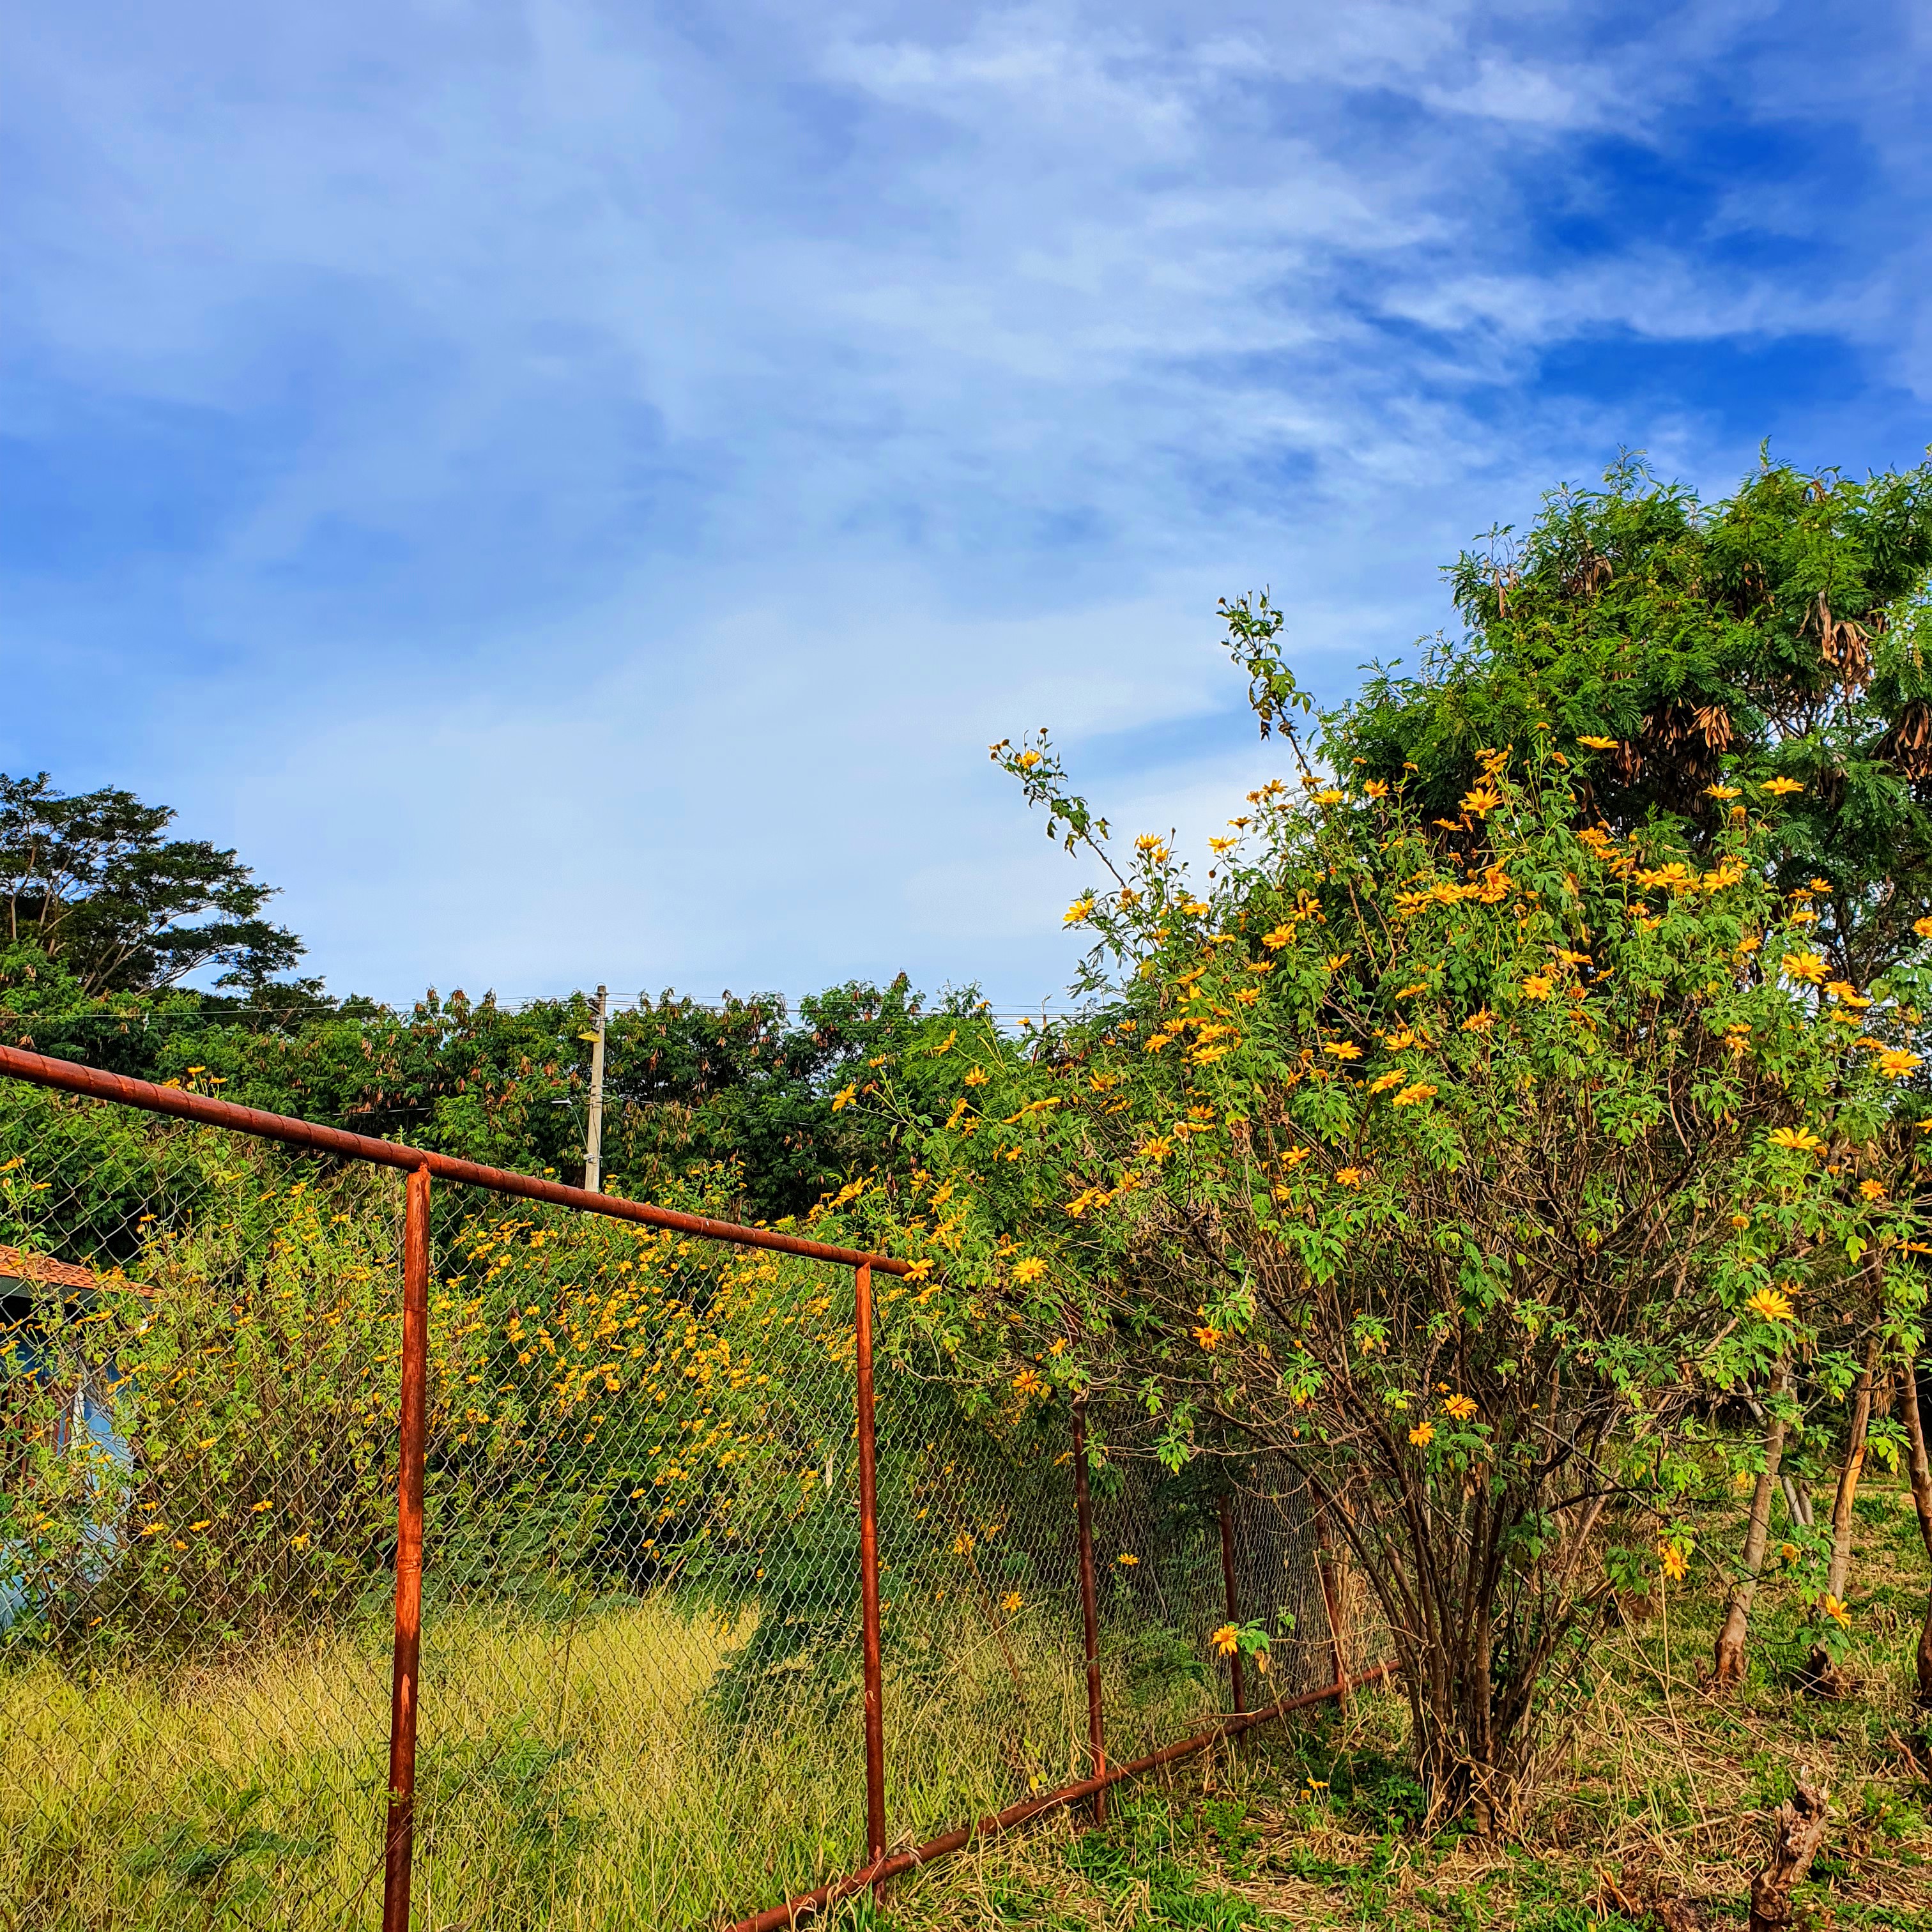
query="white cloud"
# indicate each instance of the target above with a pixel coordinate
(680, 442)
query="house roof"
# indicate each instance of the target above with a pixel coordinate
(15, 1264)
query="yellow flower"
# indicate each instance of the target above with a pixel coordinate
(1720, 791)
(1375, 788)
(1480, 1022)
(845, 1096)
(1027, 760)
(1923, 927)
(1012, 1601)
(1028, 1271)
(1836, 1610)
(257, 1508)
(1481, 800)
(1226, 1640)
(1423, 1434)
(1410, 1096)
(1127, 1558)
(1843, 990)
(1329, 795)
(1769, 1303)
(298, 1543)
(977, 1078)
(202, 1524)
(1872, 1190)
(1795, 1140)
(1349, 1176)
(1780, 787)
(1599, 744)
(1341, 1049)
(1897, 1063)
(1382, 1082)
(1460, 1406)
(1335, 961)
(1078, 911)
(1537, 986)
(1674, 1565)
(1282, 935)
(1207, 1337)
(1804, 966)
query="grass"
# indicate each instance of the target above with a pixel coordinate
(571, 1773)
(1659, 1786)
(577, 1774)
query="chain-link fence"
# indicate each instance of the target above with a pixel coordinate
(376, 1531)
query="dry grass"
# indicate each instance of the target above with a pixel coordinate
(577, 1776)
(1659, 1786)
(571, 1775)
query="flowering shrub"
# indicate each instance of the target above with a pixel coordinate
(245, 1359)
(1459, 1161)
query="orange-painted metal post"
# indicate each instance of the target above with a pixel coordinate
(1090, 1612)
(1234, 1605)
(399, 1838)
(1325, 1569)
(868, 1575)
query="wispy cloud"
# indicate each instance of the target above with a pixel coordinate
(572, 489)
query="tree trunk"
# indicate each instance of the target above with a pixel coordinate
(1798, 1501)
(1461, 1785)
(1798, 1830)
(1823, 1672)
(1852, 1468)
(1728, 1660)
(1922, 1498)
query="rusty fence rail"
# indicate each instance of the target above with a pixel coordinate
(616, 1499)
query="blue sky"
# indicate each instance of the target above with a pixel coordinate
(571, 490)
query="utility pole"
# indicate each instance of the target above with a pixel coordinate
(593, 1129)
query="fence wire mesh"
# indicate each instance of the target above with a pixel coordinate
(642, 1671)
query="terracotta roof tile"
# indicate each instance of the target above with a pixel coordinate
(18, 1264)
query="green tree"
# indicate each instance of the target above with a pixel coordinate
(1676, 647)
(90, 880)
(745, 1086)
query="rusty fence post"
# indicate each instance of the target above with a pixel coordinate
(869, 1572)
(399, 1835)
(1090, 1612)
(1324, 1570)
(1233, 1605)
